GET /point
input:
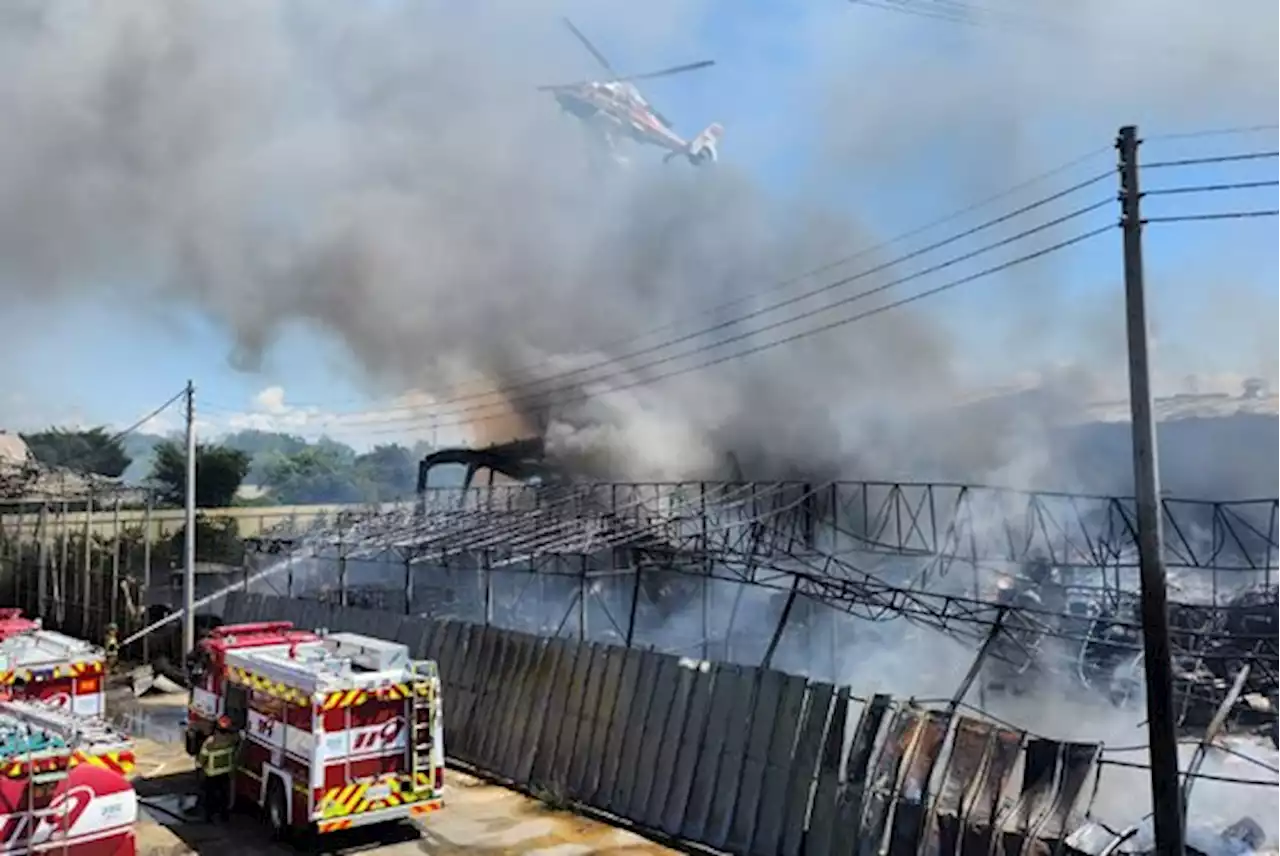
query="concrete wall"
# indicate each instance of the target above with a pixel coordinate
(739, 759)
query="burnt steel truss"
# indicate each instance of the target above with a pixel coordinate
(753, 521)
(952, 557)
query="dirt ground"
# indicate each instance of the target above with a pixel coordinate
(478, 818)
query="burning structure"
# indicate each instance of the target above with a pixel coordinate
(761, 571)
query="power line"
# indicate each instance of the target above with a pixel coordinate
(1210, 188)
(1077, 239)
(526, 394)
(1211, 132)
(829, 266)
(1225, 215)
(1240, 156)
(120, 435)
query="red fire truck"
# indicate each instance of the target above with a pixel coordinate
(63, 784)
(43, 664)
(337, 730)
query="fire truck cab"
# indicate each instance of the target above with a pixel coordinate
(43, 664)
(337, 730)
(64, 784)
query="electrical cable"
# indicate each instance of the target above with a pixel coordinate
(1209, 188)
(533, 397)
(829, 266)
(1211, 132)
(1232, 780)
(120, 435)
(1232, 158)
(746, 352)
(1225, 215)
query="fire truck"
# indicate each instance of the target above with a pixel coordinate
(337, 730)
(44, 664)
(64, 784)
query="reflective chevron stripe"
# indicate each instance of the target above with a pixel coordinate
(354, 798)
(258, 683)
(121, 762)
(344, 698)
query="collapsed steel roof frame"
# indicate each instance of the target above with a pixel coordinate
(874, 550)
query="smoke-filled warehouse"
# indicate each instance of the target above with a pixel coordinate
(790, 339)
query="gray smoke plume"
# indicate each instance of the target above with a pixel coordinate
(387, 174)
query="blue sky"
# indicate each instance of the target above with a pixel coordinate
(100, 361)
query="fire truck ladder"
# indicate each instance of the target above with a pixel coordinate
(425, 678)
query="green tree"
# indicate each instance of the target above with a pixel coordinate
(94, 451)
(322, 473)
(390, 471)
(219, 473)
(263, 447)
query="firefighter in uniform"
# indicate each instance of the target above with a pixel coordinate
(215, 764)
(111, 644)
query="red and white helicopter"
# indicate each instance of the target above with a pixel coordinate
(617, 108)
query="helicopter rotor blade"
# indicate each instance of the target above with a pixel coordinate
(675, 69)
(586, 43)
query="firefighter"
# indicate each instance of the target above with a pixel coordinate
(111, 644)
(215, 764)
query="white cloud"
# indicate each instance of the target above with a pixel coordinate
(405, 419)
(271, 400)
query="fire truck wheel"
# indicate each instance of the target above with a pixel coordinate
(277, 813)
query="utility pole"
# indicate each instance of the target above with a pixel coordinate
(1157, 656)
(189, 542)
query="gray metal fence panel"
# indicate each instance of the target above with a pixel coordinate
(822, 836)
(755, 759)
(697, 686)
(546, 664)
(668, 751)
(500, 697)
(450, 656)
(544, 764)
(629, 769)
(651, 792)
(601, 758)
(707, 770)
(776, 774)
(802, 780)
(486, 683)
(508, 746)
(737, 731)
(433, 641)
(571, 724)
(624, 701)
(470, 683)
(584, 753)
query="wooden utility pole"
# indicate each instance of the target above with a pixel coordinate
(1157, 654)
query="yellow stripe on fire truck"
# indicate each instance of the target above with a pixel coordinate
(344, 698)
(121, 762)
(261, 684)
(392, 692)
(353, 798)
(65, 670)
(118, 762)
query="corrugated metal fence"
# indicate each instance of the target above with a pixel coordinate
(735, 758)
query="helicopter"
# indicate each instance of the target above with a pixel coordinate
(616, 107)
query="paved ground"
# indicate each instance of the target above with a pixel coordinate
(478, 818)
